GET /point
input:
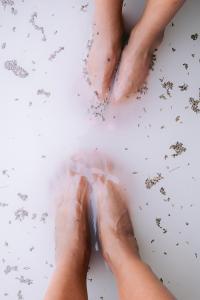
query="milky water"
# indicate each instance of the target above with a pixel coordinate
(48, 112)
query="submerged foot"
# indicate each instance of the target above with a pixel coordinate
(72, 228)
(114, 224)
(105, 52)
(135, 63)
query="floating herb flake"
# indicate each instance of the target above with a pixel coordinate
(21, 214)
(25, 280)
(7, 3)
(194, 36)
(183, 87)
(43, 92)
(39, 28)
(178, 148)
(54, 54)
(194, 105)
(158, 223)
(11, 65)
(150, 182)
(162, 191)
(167, 85)
(23, 197)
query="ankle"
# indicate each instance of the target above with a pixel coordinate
(70, 267)
(127, 261)
(108, 15)
(147, 39)
(111, 8)
(120, 253)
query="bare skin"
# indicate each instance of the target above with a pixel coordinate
(72, 239)
(135, 279)
(136, 57)
(118, 244)
(106, 47)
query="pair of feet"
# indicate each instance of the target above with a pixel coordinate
(116, 72)
(113, 221)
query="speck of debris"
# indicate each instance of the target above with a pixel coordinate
(25, 280)
(178, 148)
(39, 28)
(150, 182)
(54, 54)
(7, 3)
(158, 223)
(177, 118)
(43, 92)
(9, 269)
(162, 191)
(84, 7)
(3, 45)
(195, 104)
(173, 49)
(142, 91)
(168, 86)
(23, 197)
(167, 200)
(162, 96)
(13, 11)
(194, 36)
(34, 216)
(98, 110)
(44, 217)
(153, 61)
(19, 295)
(3, 204)
(21, 214)
(12, 65)
(183, 87)
(185, 66)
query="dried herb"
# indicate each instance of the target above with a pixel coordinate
(54, 54)
(39, 28)
(12, 65)
(194, 36)
(150, 182)
(162, 191)
(183, 87)
(178, 148)
(194, 105)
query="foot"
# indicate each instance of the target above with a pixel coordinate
(135, 62)
(114, 224)
(105, 52)
(72, 229)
